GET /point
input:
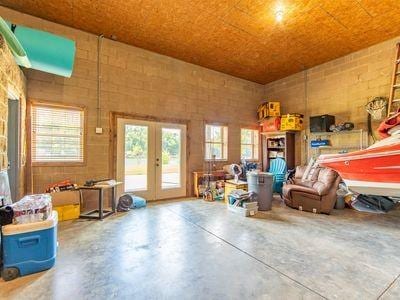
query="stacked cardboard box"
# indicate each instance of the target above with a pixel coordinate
(67, 204)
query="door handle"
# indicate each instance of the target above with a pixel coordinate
(28, 241)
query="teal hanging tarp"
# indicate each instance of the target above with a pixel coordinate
(15, 46)
(46, 51)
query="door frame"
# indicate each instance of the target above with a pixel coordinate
(14, 105)
(168, 192)
(139, 117)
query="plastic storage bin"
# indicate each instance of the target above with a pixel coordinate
(68, 212)
(29, 248)
(245, 212)
(250, 205)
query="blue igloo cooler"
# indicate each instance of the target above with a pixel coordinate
(29, 248)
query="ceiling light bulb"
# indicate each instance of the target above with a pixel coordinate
(279, 15)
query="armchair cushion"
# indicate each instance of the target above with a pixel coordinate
(321, 188)
(300, 188)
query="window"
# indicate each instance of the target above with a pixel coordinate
(249, 144)
(57, 134)
(216, 142)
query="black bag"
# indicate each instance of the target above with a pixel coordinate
(378, 203)
(6, 215)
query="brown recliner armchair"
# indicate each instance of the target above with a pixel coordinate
(315, 194)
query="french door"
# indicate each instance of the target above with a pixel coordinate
(151, 158)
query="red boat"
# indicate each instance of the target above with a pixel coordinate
(375, 170)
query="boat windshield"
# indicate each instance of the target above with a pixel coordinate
(394, 139)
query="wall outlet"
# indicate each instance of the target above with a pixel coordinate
(99, 130)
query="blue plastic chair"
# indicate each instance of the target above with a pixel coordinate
(278, 168)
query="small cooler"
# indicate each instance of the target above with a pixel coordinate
(29, 248)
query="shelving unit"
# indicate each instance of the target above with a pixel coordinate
(278, 144)
(199, 179)
(340, 142)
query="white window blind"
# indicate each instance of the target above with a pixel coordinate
(216, 142)
(249, 144)
(57, 134)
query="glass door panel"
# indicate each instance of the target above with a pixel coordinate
(136, 157)
(171, 158)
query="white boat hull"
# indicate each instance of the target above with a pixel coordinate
(374, 188)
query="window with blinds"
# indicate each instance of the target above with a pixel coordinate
(57, 134)
(216, 142)
(249, 144)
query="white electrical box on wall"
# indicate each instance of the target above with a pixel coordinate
(99, 130)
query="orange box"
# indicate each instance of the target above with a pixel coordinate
(271, 124)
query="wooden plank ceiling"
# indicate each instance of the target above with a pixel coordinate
(237, 37)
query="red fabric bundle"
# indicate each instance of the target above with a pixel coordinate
(389, 123)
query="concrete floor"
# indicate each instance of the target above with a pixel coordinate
(199, 250)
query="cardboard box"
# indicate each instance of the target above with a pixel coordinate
(271, 124)
(274, 109)
(262, 111)
(66, 198)
(292, 122)
(269, 109)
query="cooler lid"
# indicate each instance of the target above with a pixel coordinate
(29, 227)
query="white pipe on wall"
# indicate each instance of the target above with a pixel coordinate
(98, 108)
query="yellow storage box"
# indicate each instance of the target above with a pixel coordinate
(292, 122)
(269, 109)
(68, 212)
(274, 109)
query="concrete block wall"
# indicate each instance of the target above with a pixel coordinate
(12, 82)
(341, 87)
(141, 82)
(137, 81)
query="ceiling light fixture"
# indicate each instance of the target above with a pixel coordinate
(279, 15)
